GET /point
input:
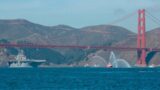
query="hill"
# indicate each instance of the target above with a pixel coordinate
(23, 31)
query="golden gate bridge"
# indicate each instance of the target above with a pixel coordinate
(141, 48)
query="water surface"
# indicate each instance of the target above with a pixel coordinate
(79, 79)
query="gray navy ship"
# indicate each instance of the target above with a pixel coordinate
(22, 61)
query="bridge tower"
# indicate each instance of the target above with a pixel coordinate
(141, 38)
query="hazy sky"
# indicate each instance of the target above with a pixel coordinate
(78, 13)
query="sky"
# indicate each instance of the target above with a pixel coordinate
(79, 13)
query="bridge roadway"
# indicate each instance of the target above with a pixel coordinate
(80, 47)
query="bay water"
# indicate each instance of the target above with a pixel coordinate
(79, 79)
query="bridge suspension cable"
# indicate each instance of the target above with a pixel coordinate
(122, 18)
(153, 18)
